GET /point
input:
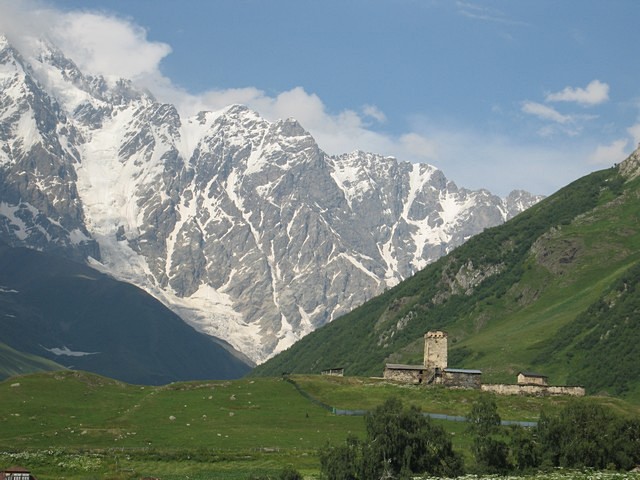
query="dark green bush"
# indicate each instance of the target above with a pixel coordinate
(400, 442)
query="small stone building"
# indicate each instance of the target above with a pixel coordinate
(334, 372)
(405, 373)
(530, 378)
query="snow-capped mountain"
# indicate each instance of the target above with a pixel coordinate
(244, 227)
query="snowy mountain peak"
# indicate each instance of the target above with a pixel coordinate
(291, 128)
(4, 41)
(244, 227)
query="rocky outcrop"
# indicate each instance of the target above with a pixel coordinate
(630, 168)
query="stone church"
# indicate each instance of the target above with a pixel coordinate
(434, 370)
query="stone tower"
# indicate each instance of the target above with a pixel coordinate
(435, 350)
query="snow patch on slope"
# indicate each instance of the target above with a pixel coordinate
(65, 351)
(351, 177)
(193, 130)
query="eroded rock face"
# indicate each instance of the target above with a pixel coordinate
(630, 168)
(39, 202)
(244, 227)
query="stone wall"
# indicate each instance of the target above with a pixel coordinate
(538, 390)
(404, 375)
(461, 380)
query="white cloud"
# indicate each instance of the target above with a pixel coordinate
(557, 123)
(484, 13)
(595, 93)
(106, 45)
(419, 147)
(374, 112)
(634, 131)
(609, 154)
(20, 19)
(545, 112)
(474, 159)
(99, 43)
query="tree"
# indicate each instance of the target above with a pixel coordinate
(408, 442)
(483, 417)
(524, 449)
(626, 447)
(344, 462)
(578, 437)
(400, 442)
(491, 453)
(288, 473)
(585, 434)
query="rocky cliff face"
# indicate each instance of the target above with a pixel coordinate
(39, 203)
(630, 168)
(246, 228)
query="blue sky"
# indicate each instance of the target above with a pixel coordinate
(498, 94)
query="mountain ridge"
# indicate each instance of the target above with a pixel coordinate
(245, 228)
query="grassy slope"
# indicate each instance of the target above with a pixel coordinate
(78, 409)
(13, 363)
(229, 427)
(591, 253)
(222, 429)
(555, 261)
(47, 301)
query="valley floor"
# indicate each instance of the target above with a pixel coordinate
(76, 425)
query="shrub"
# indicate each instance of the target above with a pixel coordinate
(400, 442)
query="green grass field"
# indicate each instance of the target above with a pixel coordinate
(76, 425)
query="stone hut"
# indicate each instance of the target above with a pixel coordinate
(529, 383)
(334, 372)
(405, 373)
(530, 378)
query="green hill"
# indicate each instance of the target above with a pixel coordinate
(554, 290)
(13, 363)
